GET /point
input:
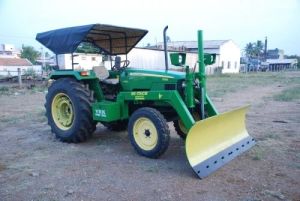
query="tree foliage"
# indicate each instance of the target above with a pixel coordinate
(87, 48)
(30, 53)
(254, 49)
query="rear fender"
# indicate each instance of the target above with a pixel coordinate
(90, 79)
(72, 73)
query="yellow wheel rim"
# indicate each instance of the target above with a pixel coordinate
(62, 111)
(145, 133)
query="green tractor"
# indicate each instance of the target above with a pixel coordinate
(141, 101)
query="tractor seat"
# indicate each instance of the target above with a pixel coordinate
(103, 74)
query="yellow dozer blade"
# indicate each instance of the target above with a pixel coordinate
(215, 141)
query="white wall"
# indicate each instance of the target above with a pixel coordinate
(154, 59)
(230, 54)
(13, 70)
(146, 59)
(86, 61)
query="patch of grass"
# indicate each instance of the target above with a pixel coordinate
(220, 85)
(2, 167)
(287, 95)
(10, 119)
(275, 194)
(41, 118)
(34, 116)
(37, 115)
(36, 89)
(4, 90)
(273, 136)
(257, 154)
(99, 142)
(152, 168)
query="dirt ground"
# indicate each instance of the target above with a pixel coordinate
(36, 166)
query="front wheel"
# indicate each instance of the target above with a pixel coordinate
(180, 128)
(149, 132)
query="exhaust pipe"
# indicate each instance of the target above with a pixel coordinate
(165, 48)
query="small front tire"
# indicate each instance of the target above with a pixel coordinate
(149, 132)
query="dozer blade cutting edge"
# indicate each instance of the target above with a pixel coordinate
(213, 142)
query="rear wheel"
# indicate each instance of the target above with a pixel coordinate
(148, 132)
(68, 109)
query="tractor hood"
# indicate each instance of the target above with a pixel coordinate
(173, 75)
(140, 79)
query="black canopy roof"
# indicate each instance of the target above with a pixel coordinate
(112, 40)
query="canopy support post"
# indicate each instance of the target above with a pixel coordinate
(72, 56)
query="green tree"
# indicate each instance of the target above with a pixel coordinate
(259, 49)
(254, 50)
(47, 55)
(249, 50)
(30, 53)
(85, 47)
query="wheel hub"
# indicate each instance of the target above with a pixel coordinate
(62, 111)
(145, 133)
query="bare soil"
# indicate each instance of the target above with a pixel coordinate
(34, 165)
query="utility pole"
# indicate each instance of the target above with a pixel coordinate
(20, 78)
(43, 58)
(266, 48)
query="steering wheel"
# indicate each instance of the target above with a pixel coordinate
(125, 63)
(121, 67)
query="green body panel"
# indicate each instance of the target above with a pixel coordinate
(189, 88)
(210, 108)
(209, 59)
(171, 97)
(138, 79)
(94, 85)
(201, 74)
(178, 59)
(106, 111)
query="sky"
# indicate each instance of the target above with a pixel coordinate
(242, 21)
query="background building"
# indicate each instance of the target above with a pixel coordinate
(82, 60)
(275, 54)
(9, 66)
(9, 51)
(227, 55)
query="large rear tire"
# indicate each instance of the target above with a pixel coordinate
(148, 132)
(68, 109)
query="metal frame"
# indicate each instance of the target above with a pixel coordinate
(110, 42)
